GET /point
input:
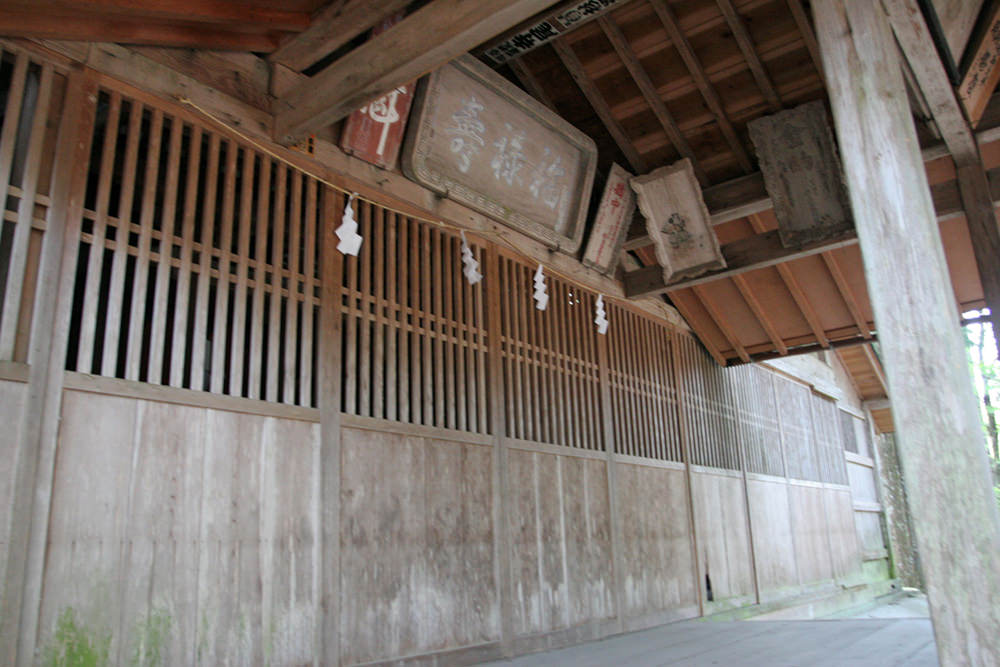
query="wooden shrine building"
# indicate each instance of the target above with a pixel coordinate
(442, 331)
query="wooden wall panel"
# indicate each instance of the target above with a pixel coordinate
(708, 398)
(723, 541)
(190, 527)
(658, 574)
(774, 542)
(844, 552)
(417, 538)
(560, 546)
(809, 528)
(13, 396)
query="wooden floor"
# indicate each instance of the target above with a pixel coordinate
(875, 642)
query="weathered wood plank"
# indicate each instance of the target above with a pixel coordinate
(393, 58)
(952, 503)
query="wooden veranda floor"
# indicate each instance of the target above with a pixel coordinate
(855, 642)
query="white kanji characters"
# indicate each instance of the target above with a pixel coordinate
(509, 157)
(466, 132)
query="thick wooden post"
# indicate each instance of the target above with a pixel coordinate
(34, 465)
(940, 439)
(327, 630)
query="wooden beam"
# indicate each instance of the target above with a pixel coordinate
(685, 312)
(876, 368)
(54, 25)
(747, 254)
(758, 311)
(918, 46)
(241, 75)
(201, 11)
(335, 25)
(808, 36)
(809, 348)
(530, 82)
(599, 104)
(845, 293)
(722, 322)
(976, 192)
(746, 45)
(397, 56)
(683, 46)
(955, 515)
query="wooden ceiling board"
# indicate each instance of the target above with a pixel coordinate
(772, 294)
(726, 300)
(821, 292)
(961, 261)
(850, 263)
(704, 325)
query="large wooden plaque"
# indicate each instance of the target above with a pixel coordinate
(801, 169)
(614, 215)
(483, 142)
(374, 133)
(678, 222)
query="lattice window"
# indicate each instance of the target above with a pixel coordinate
(708, 399)
(551, 380)
(31, 96)
(847, 428)
(415, 331)
(829, 440)
(794, 406)
(643, 395)
(199, 260)
(758, 419)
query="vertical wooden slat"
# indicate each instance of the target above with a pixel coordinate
(391, 313)
(350, 372)
(451, 332)
(181, 343)
(11, 122)
(427, 322)
(534, 387)
(506, 345)
(199, 379)
(403, 297)
(572, 415)
(237, 343)
(479, 293)
(258, 316)
(309, 219)
(294, 253)
(140, 276)
(277, 270)
(25, 214)
(378, 355)
(457, 280)
(417, 322)
(572, 335)
(440, 330)
(95, 261)
(471, 325)
(168, 231)
(557, 330)
(220, 332)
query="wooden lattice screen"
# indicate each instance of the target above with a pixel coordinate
(709, 403)
(758, 419)
(415, 331)
(31, 94)
(797, 430)
(198, 265)
(643, 392)
(829, 440)
(551, 378)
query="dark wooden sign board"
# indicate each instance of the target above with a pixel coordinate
(801, 169)
(374, 133)
(611, 223)
(481, 141)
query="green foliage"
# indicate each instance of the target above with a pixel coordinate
(74, 645)
(152, 635)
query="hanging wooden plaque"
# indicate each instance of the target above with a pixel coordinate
(614, 215)
(801, 170)
(374, 133)
(478, 139)
(678, 222)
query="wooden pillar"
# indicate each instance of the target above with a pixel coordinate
(34, 465)
(940, 439)
(326, 637)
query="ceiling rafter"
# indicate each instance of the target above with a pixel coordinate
(648, 90)
(746, 45)
(685, 311)
(808, 35)
(833, 266)
(758, 311)
(530, 82)
(599, 104)
(683, 46)
(722, 322)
